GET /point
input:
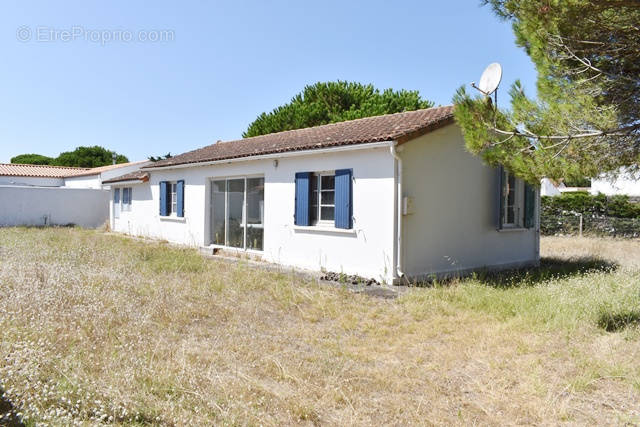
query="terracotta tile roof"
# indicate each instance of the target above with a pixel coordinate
(138, 175)
(95, 171)
(399, 127)
(46, 171)
(39, 171)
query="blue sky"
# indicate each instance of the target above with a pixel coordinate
(224, 63)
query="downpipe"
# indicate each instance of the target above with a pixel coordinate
(398, 267)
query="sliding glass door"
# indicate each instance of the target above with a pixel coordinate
(237, 213)
(218, 211)
(255, 213)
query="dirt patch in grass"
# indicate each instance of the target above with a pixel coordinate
(99, 328)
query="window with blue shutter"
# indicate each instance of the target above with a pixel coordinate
(164, 206)
(303, 189)
(344, 199)
(180, 197)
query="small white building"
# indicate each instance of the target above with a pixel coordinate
(56, 195)
(394, 197)
(624, 183)
(94, 177)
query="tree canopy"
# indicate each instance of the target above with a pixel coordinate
(32, 159)
(586, 119)
(331, 102)
(85, 157)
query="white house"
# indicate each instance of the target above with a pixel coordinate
(56, 195)
(623, 183)
(36, 175)
(390, 197)
(63, 176)
(94, 177)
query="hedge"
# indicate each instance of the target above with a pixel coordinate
(585, 203)
(602, 215)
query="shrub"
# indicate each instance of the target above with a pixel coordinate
(587, 204)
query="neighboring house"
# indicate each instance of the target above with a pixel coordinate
(94, 178)
(625, 183)
(63, 176)
(36, 175)
(56, 195)
(390, 197)
(549, 187)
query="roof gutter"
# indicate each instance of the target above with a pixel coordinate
(339, 148)
(127, 182)
(398, 205)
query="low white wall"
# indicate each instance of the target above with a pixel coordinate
(367, 251)
(455, 199)
(21, 205)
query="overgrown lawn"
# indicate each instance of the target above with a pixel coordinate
(101, 328)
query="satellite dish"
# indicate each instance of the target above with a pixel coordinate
(490, 79)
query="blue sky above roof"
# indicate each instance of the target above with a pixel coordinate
(85, 73)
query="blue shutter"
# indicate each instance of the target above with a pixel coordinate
(116, 196)
(529, 205)
(303, 189)
(180, 197)
(163, 199)
(344, 198)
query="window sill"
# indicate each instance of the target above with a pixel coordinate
(173, 218)
(510, 229)
(237, 251)
(319, 229)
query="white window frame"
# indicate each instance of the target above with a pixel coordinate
(318, 202)
(126, 207)
(173, 198)
(518, 203)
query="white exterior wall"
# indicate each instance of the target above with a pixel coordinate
(455, 202)
(31, 180)
(123, 170)
(52, 206)
(548, 188)
(625, 184)
(95, 181)
(87, 181)
(366, 251)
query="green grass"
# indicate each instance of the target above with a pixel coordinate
(101, 328)
(556, 302)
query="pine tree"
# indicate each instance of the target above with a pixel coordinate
(586, 119)
(332, 102)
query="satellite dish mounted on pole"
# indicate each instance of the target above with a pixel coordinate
(489, 82)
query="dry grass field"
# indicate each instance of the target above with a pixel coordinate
(100, 328)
